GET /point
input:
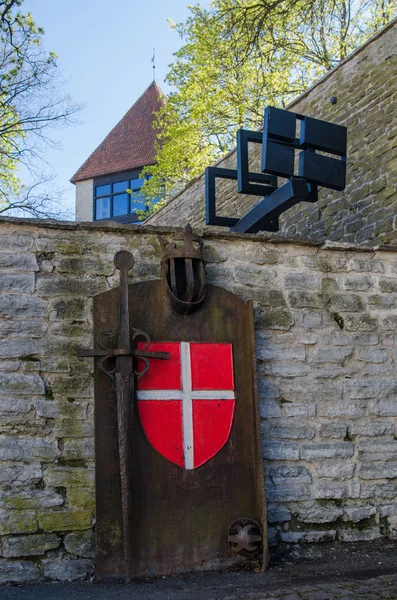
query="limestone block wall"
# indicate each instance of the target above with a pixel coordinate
(366, 91)
(325, 318)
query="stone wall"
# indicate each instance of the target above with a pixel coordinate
(325, 318)
(366, 91)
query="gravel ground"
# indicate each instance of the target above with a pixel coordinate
(324, 572)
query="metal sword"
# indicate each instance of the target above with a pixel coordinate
(124, 377)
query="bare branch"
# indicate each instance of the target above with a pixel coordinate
(31, 105)
(38, 200)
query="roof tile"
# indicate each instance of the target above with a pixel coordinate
(130, 144)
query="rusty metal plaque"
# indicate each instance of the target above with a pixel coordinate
(185, 511)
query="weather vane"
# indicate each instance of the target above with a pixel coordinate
(154, 64)
(321, 162)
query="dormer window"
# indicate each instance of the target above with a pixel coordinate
(111, 199)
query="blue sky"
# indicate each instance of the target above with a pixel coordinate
(105, 50)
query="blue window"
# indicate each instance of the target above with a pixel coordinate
(120, 186)
(120, 204)
(102, 208)
(136, 184)
(112, 200)
(138, 202)
(102, 190)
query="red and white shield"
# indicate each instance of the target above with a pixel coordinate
(186, 403)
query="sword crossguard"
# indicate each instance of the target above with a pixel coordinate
(100, 336)
(136, 334)
(140, 374)
(124, 262)
(105, 352)
(109, 372)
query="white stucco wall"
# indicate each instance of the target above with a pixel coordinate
(84, 200)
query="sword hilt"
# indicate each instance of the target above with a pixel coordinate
(124, 261)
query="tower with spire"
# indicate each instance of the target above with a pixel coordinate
(116, 164)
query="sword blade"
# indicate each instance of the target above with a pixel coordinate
(125, 391)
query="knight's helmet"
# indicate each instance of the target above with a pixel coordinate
(183, 271)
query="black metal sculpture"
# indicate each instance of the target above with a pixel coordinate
(279, 142)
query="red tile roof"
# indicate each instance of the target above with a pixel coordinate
(130, 144)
